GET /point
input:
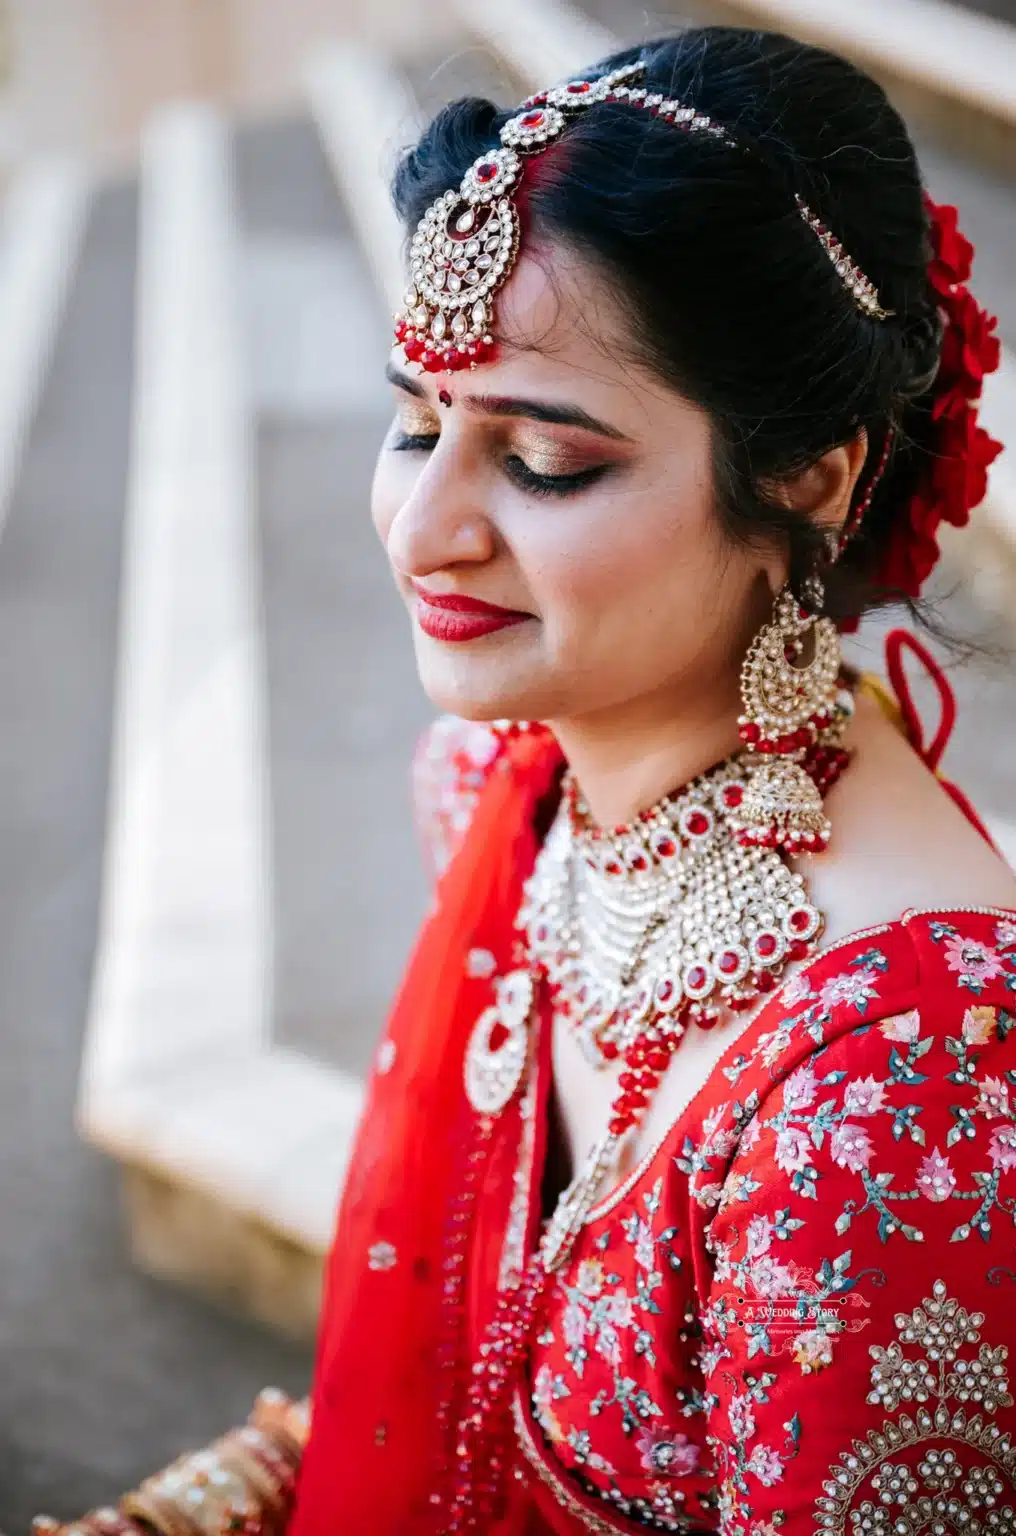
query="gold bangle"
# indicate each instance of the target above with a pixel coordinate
(262, 1450)
(284, 1421)
(98, 1522)
(244, 1465)
(199, 1495)
(160, 1513)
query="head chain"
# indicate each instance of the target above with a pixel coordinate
(467, 241)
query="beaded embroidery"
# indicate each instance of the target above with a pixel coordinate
(963, 1480)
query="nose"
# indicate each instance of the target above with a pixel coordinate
(441, 523)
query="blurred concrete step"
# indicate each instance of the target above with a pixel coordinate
(105, 1373)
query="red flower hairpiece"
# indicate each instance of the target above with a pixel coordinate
(960, 451)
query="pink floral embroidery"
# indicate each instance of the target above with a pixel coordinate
(793, 1148)
(768, 1278)
(973, 961)
(666, 1451)
(1002, 1148)
(935, 1178)
(797, 990)
(800, 1088)
(854, 987)
(902, 1027)
(851, 1147)
(864, 1096)
(813, 1351)
(993, 1098)
(766, 1464)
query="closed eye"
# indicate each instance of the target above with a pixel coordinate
(515, 468)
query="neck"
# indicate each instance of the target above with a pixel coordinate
(626, 759)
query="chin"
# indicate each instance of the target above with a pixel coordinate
(475, 692)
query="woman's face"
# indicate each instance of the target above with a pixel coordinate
(575, 490)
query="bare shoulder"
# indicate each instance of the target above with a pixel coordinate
(899, 841)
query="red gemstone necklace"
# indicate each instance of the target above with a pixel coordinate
(637, 933)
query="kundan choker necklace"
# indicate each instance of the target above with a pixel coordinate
(643, 930)
(634, 934)
(670, 918)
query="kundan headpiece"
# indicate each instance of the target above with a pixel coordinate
(465, 245)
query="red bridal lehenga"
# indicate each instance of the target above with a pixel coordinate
(792, 1316)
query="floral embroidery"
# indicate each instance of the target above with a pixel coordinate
(979, 1024)
(480, 963)
(450, 766)
(935, 1177)
(959, 1482)
(902, 1027)
(381, 1256)
(973, 961)
(831, 1114)
(855, 987)
(852, 989)
(739, 1462)
(674, 1377)
(664, 1450)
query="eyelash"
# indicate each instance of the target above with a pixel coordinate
(516, 469)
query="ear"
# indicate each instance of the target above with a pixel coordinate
(823, 492)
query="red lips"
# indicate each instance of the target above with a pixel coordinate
(453, 616)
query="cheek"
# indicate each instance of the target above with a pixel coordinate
(645, 564)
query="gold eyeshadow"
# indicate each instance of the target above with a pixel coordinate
(546, 456)
(416, 420)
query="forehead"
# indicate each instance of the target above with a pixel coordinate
(560, 327)
(557, 304)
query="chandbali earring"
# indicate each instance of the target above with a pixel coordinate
(794, 713)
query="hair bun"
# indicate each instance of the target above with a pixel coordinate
(923, 338)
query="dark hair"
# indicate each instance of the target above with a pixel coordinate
(731, 299)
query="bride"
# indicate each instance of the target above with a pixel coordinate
(685, 1192)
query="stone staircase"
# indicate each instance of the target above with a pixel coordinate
(210, 702)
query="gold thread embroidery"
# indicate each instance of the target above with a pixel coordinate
(567, 1500)
(946, 1489)
(513, 1248)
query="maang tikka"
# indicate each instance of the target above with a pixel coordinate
(467, 241)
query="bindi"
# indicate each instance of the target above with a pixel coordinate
(444, 397)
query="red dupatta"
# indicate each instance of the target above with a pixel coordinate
(385, 1350)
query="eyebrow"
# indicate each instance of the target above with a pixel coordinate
(511, 405)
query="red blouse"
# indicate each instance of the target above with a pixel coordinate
(794, 1315)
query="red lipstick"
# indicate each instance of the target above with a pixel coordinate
(450, 616)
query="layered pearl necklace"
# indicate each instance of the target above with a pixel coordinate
(670, 916)
(644, 930)
(636, 932)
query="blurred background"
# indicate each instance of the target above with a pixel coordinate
(208, 874)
